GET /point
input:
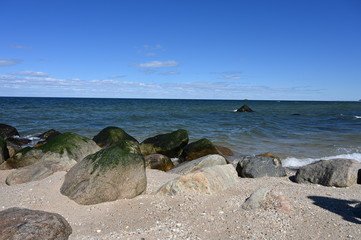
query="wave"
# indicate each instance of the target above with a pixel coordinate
(299, 162)
(357, 116)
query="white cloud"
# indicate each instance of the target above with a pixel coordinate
(31, 73)
(158, 64)
(170, 73)
(19, 47)
(234, 77)
(147, 71)
(9, 61)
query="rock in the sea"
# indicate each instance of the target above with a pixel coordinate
(4, 152)
(18, 141)
(47, 136)
(334, 172)
(111, 135)
(258, 166)
(26, 224)
(7, 131)
(169, 144)
(158, 161)
(207, 181)
(110, 174)
(197, 164)
(198, 149)
(38, 171)
(69, 146)
(244, 108)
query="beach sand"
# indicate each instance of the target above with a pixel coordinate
(318, 212)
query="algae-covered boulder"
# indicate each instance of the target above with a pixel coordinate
(198, 149)
(47, 136)
(169, 144)
(4, 153)
(68, 146)
(111, 135)
(110, 174)
(200, 163)
(158, 161)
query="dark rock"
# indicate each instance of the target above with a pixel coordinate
(18, 141)
(334, 172)
(258, 166)
(198, 149)
(244, 108)
(200, 163)
(110, 174)
(7, 131)
(224, 150)
(26, 224)
(270, 154)
(158, 161)
(47, 136)
(4, 152)
(111, 135)
(170, 144)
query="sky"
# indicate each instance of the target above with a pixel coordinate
(188, 49)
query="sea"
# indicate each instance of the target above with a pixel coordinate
(300, 132)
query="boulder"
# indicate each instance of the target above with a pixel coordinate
(38, 171)
(258, 166)
(69, 146)
(158, 161)
(111, 135)
(110, 174)
(197, 164)
(224, 150)
(244, 108)
(26, 224)
(206, 181)
(335, 172)
(169, 144)
(270, 154)
(18, 141)
(7, 131)
(47, 136)
(198, 149)
(4, 152)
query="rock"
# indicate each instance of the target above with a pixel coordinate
(26, 224)
(111, 135)
(198, 149)
(4, 152)
(244, 108)
(69, 146)
(206, 181)
(18, 141)
(270, 154)
(7, 131)
(335, 172)
(197, 164)
(169, 144)
(110, 174)
(38, 171)
(258, 166)
(158, 161)
(47, 136)
(266, 199)
(224, 150)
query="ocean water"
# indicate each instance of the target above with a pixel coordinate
(300, 132)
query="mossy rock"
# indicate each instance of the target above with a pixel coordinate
(169, 144)
(198, 149)
(4, 153)
(111, 135)
(158, 161)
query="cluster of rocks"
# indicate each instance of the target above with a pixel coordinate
(113, 164)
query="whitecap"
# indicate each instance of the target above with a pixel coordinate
(357, 116)
(299, 162)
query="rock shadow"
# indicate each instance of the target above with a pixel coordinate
(349, 210)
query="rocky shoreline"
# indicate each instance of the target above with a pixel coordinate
(113, 187)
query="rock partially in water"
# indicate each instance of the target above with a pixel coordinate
(112, 135)
(197, 149)
(8, 131)
(244, 108)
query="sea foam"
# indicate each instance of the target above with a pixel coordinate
(299, 162)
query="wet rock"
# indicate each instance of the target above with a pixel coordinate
(47, 136)
(224, 150)
(8, 131)
(244, 108)
(111, 135)
(200, 163)
(4, 152)
(259, 166)
(18, 141)
(158, 161)
(198, 149)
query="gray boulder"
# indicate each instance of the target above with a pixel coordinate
(115, 172)
(334, 172)
(197, 149)
(26, 224)
(158, 161)
(197, 164)
(169, 144)
(259, 166)
(111, 135)
(4, 152)
(8, 131)
(206, 181)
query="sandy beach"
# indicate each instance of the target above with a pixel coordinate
(317, 212)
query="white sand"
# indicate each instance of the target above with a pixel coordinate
(219, 216)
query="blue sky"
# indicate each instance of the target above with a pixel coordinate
(270, 49)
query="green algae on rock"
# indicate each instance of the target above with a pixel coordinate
(111, 135)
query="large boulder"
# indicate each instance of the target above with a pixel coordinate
(8, 131)
(4, 152)
(206, 181)
(197, 149)
(335, 172)
(47, 136)
(26, 224)
(197, 164)
(244, 108)
(158, 161)
(111, 135)
(259, 166)
(169, 144)
(67, 146)
(115, 172)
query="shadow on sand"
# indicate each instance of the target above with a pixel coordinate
(349, 210)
